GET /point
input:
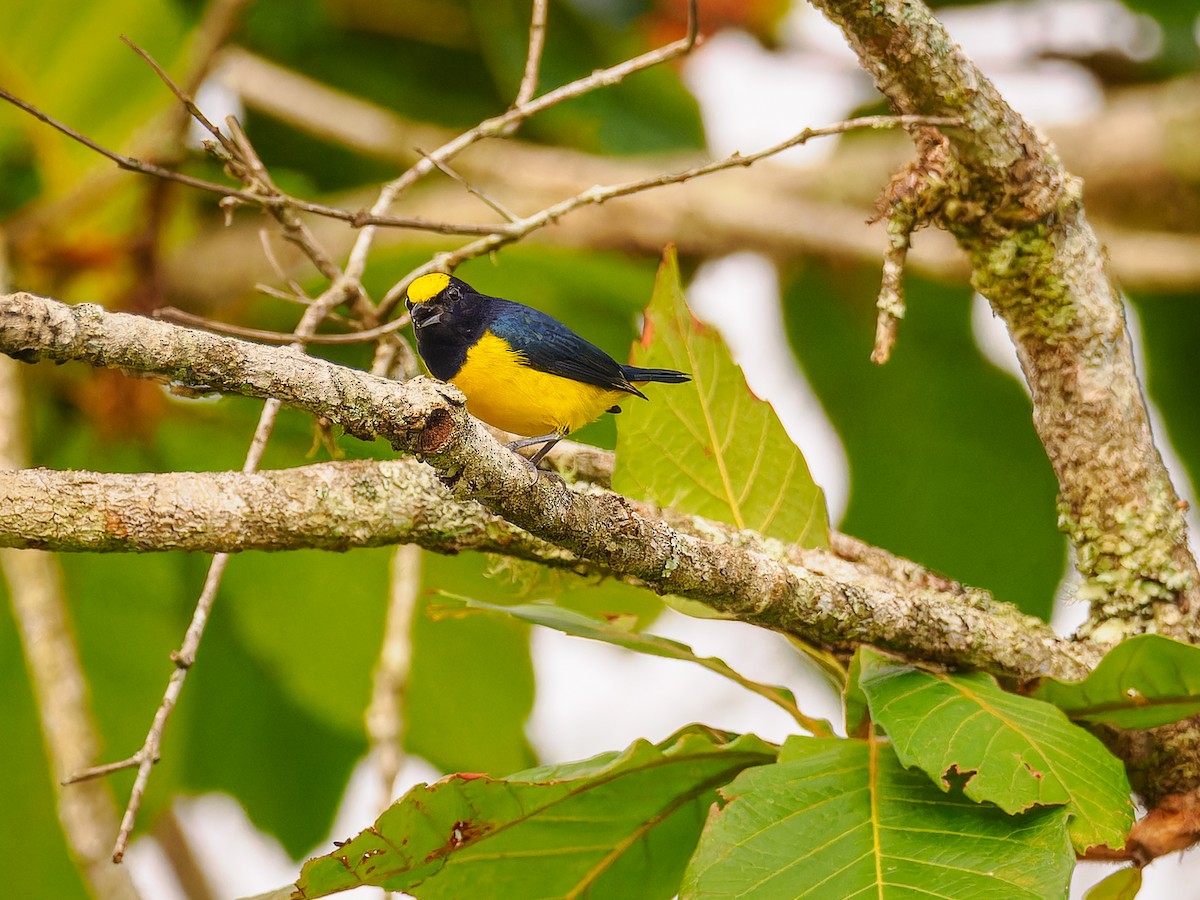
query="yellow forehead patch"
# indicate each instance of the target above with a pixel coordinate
(427, 287)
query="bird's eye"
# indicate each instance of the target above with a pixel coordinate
(408, 304)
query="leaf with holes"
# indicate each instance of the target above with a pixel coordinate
(1004, 749)
(843, 818)
(619, 825)
(711, 447)
(1144, 682)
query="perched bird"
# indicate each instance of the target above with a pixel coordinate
(520, 369)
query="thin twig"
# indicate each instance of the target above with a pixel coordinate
(183, 659)
(603, 193)
(298, 294)
(357, 218)
(520, 112)
(191, 320)
(890, 303)
(128, 162)
(384, 718)
(471, 189)
(182, 96)
(252, 171)
(533, 59)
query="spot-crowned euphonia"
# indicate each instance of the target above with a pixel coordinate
(520, 369)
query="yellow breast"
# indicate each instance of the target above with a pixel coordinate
(505, 392)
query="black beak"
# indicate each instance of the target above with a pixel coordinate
(423, 315)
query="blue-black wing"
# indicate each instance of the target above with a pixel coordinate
(550, 346)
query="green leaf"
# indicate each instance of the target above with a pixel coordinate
(1143, 682)
(854, 701)
(1008, 750)
(619, 825)
(944, 465)
(711, 448)
(619, 631)
(1122, 884)
(844, 818)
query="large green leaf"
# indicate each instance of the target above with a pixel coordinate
(619, 630)
(1008, 750)
(945, 467)
(844, 818)
(619, 825)
(1143, 682)
(1169, 324)
(711, 447)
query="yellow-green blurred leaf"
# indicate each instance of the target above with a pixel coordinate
(1123, 884)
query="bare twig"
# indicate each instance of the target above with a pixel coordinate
(384, 718)
(128, 162)
(890, 303)
(298, 294)
(471, 189)
(246, 165)
(503, 235)
(248, 197)
(784, 197)
(533, 59)
(183, 97)
(519, 113)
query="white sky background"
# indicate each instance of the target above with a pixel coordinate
(750, 98)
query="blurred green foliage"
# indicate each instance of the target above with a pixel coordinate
(945, 467)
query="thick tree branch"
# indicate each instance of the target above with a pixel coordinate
(819, 597)
(1007, 199)
(1018, 213)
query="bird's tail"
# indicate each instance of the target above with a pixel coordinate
(669, 376)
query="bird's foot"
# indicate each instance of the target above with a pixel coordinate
(547, 441)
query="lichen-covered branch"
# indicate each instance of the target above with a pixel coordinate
(325, 506)
(818, 596)
(1006, 197)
